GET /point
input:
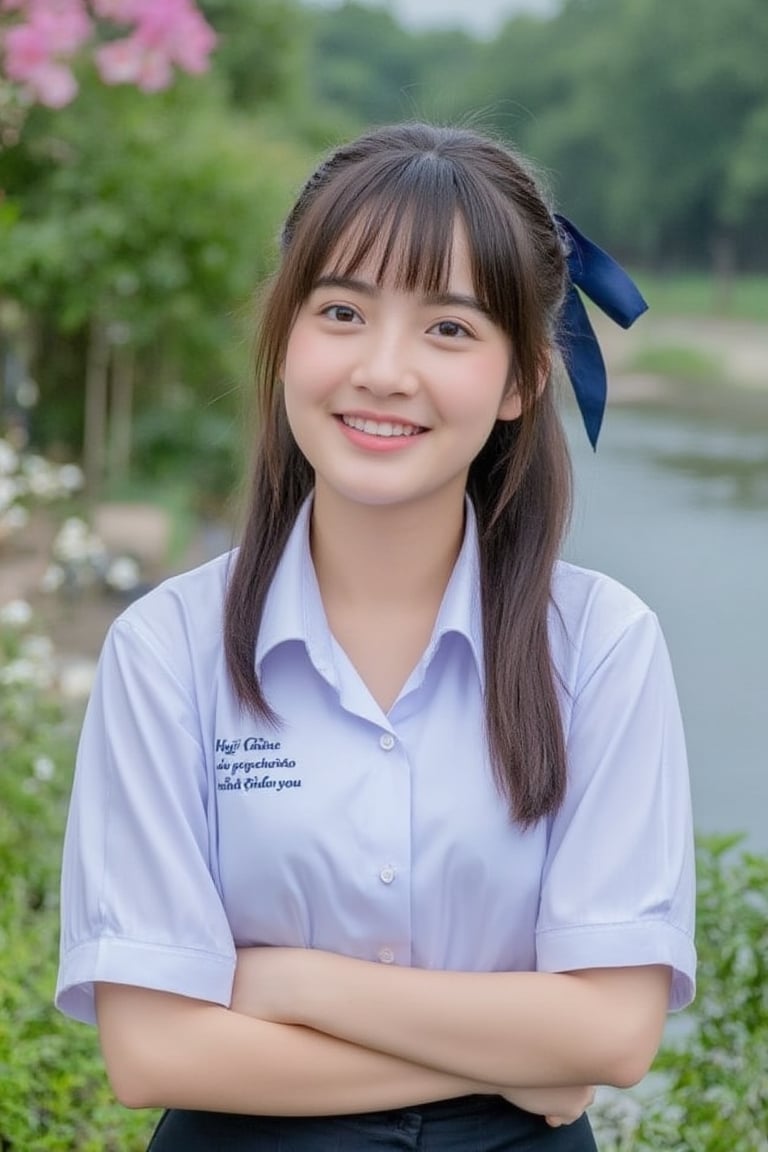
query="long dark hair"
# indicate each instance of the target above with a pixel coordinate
(397, 192)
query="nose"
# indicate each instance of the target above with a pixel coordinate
(385, 366)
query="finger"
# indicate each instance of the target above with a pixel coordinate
(554, 1121)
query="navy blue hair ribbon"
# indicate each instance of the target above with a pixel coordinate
(606, 283)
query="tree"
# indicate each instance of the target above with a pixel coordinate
(133, 235)
(649, 117)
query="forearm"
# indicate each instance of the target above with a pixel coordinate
(516, 1029)
(172, 1052)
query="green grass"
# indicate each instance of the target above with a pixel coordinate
(678, 363)
(691, 294)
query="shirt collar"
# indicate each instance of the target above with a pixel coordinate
(294, 610)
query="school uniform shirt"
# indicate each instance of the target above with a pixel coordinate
(195, 827)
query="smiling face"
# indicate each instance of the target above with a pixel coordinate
(391, 393)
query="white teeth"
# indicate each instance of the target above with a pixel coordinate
(379, 428)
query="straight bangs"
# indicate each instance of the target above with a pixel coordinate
(399, 214)
(394, 214)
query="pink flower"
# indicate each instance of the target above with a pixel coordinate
(121, 61)
(164, 33)
(37, 49)
(26, 50)
(54, 85)
(27, 61)
(156, 72)
(65, 24)
(177, 29)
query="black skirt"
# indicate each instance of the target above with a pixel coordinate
(465, 1124)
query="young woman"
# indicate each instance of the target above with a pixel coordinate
(380, 834)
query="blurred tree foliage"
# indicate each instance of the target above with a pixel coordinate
(366, 68)
(650, 119)
(133, 231)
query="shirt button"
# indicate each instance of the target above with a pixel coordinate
(387, 956)
(387, 875)
(387, 741)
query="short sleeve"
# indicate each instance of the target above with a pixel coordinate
(618, 885)
(139, 902)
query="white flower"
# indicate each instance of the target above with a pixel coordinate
(75, 543)
(39, 648)
(9, 490)
(53, 578)
(76, 679)
(123, 574)
(42, 479)
(16, 614)
(44, 768)
(27, 394)
(9, 460)
(25, 672)
(15, 518)
(71, 477)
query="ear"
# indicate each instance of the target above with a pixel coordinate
(511, 406)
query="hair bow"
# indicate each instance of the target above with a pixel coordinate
(607, 284)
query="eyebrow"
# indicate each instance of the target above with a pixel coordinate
(439, 299)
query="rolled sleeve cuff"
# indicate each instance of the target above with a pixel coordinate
(184, 971)
(633, 944)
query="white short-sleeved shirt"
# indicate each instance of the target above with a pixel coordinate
(195, 828)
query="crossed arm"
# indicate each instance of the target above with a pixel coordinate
(312, 1033)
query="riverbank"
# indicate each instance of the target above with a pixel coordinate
(735, 350)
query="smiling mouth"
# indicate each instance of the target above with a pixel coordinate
(384, 428)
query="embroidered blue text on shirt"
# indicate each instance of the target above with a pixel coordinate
(242, 775)
(250, 744)
(247, 784)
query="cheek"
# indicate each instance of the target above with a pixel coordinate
(476, 392)
(302, 377)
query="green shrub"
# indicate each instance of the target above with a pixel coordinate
(713, 1079)
(54, 1096)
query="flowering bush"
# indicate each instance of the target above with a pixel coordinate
(26, 479)
(80, 560)
(46, 35)
(55, 1095)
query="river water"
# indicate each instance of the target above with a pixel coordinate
(675, 505)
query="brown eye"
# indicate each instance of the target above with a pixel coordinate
(450, 328)
(343, 313)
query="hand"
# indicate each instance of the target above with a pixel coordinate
(557, 1105)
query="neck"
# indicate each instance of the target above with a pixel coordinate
(385, 555)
